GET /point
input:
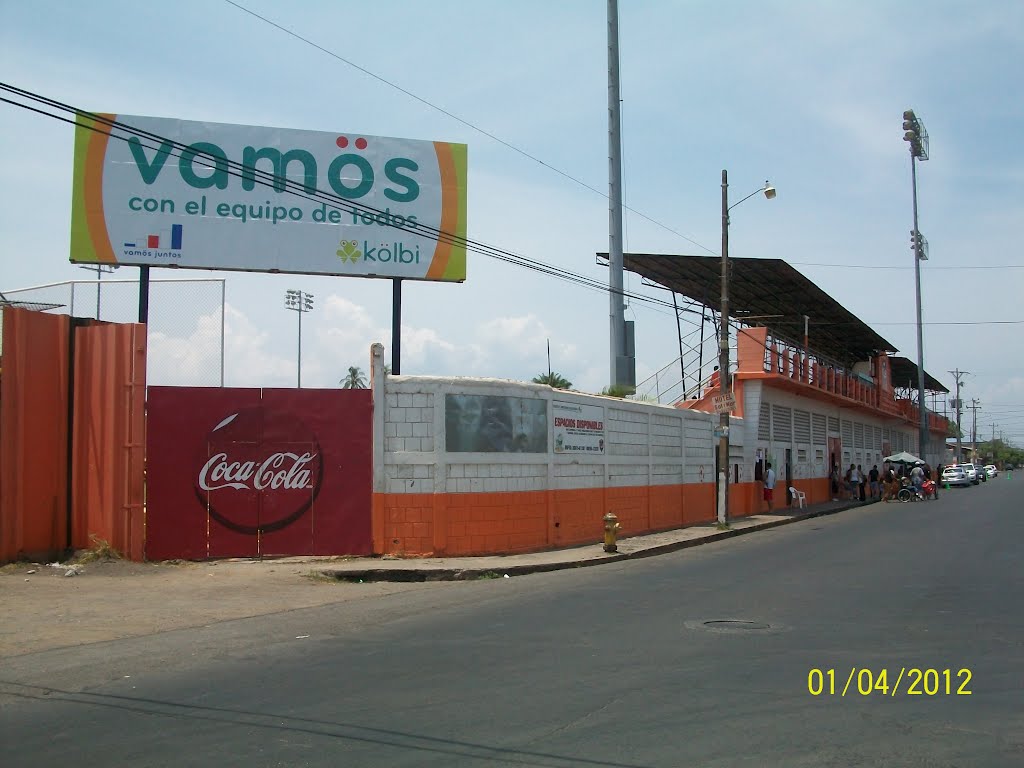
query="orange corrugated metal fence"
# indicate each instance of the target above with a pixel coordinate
(108, 443)
(104, 427)
(33, 434)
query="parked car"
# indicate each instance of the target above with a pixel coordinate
(991, 470)
(972, 473)
(955, 476)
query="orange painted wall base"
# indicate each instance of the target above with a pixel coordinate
(524, 521)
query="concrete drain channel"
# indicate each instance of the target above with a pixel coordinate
(734, 626)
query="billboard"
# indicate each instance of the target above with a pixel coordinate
(495, 424)
(235, 197)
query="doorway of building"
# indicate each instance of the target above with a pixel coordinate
(789, 476)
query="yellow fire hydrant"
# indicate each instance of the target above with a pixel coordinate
(611, 532)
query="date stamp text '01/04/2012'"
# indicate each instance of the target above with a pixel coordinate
(909, 681)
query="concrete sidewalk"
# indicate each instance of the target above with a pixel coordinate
(388, 568)
(42, 609)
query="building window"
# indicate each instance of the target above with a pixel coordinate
(801, 426)
(818, 425)
(782, 423)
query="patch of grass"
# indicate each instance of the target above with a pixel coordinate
(723, 526)
(489, 575)
(100, 550)
(320, 577)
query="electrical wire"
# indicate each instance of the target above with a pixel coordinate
(458, 119)
(892, 266)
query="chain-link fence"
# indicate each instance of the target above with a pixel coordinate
(185, 329)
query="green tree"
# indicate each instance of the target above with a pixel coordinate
(556, 380)
(354, 379)
(618, 390)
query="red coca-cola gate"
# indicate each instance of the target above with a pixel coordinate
(252, 472)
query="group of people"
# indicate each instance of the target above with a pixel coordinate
(857, 484)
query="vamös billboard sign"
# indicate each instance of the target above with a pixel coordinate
(218, 196)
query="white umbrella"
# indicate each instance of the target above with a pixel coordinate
(903, 458)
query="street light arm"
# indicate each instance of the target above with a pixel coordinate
(765, 188)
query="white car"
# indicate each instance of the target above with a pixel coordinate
(991, 470)
(955, 476)
(972, 473)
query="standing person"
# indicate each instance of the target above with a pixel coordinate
(938, 479)
(835, 482)
(873, 475)
(917, 477)
(852, 481)
(769, 486)
(863, 482)
(888, 481)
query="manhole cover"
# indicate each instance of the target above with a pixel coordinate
(735, 626)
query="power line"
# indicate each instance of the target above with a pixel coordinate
(886, 266)
(458, 119)
(949, 322)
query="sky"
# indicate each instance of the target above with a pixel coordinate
(809, 95)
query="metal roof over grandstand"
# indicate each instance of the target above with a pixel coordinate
(769, 293)
(904, 374)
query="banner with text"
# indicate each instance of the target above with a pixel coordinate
(578, 428)
(176, 193)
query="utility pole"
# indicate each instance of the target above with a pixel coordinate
(957, 405)
(617, 329)
(723, 364)
(975, 404)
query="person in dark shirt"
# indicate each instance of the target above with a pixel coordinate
(873, 477)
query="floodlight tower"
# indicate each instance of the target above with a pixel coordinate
(301, 302)
(916, 135)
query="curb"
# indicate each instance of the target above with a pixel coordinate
(472, 574)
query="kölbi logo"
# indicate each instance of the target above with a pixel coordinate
(261, 470)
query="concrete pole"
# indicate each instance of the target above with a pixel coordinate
(617, 317)
(723, 363)
(921, 405)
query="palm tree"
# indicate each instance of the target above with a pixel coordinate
(354, 379)
(556, 380)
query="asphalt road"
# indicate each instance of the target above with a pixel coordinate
(605, 667)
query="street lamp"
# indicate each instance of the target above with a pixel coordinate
(300, 302)
(100, 270)
(917, 137)
(723, 348)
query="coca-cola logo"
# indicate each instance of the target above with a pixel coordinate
(261, 470)
(279, 470)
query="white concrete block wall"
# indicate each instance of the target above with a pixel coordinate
(644, 442)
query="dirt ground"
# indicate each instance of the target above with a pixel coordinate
(41, 607)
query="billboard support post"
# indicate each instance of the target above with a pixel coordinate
(396, 326)
(144, 295)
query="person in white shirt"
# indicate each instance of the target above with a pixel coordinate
(853, 481)
(917, 477)
(769, 486)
